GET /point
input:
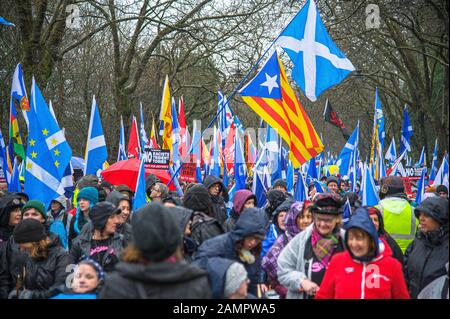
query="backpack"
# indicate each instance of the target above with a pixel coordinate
(204, 227)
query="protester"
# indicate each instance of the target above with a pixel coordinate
(276, 226)
(152, 266)
(150, 180)
(59, 219)
(87, 197)
(242, 200)
(349, 274)
(427, 255)
(302, 263)
(391, 245)
(122, 202)
(442, 191)
(107, 187)
(297, 219)
(204, 226)
(228, 279)
(333, 184)
(10, 215)
(184, 218)
(399, 220)
(158, 191)
(45, 269)
(219, 197)
(274, 199)
(88, 278)
(125, 190)
(242, 244)
(99, 240)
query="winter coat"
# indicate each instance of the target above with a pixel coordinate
(292, 264)
(81, 247)
(269, 262)
(60, 224)
(183, 216)
(437, 289)
(43, 276)
(380, 277)
(274, 229)
(161, 280)
(217, 268)
(220, 209)
(425, 259)
(252, 221)
(7, 204)
(12, 261)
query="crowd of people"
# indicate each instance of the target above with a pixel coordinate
(95, 245)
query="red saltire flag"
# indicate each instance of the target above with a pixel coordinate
(272, 98)
(134, 149)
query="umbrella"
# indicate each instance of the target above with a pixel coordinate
(126, 172)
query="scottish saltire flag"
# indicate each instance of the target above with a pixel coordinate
(96, 153)
(42, 180)
(407, 132)
(122, 153)
(271, 97)
(421, 186)
(6, 22)
(301, 190)
(175, 137)
(215, 159)
(57, 145)
(318, 187)
(422, 159)
(175, 181)
(347, 212)
(349, 150)
(369, 191)
(391, 154)
(434, 164)
(225, 116)
(290, 178)
(312, 170)
(318, 62)
(4, 160)
(165, 106)
(140, 197)
(442, 174)
(261, 179)
(240, 169)
(379, 120)
(14, 184)
(143, 134)
(273, 153)
(134, 147)
(19, 92)
(196, 151)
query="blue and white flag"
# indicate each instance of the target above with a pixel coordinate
(301, 190)
(391, 154)
(442, 174)
(176, 140)
(421, 186)
(312, 170)
(434, 164)
(261, 178)
(318, 187)
(140, 196)
(407, 132)
(240, 168)
(96, 152)
(347, 212)
(318, 62)
(369, 191)
(195, 151)
(273, 153)
(344, 161)
(14, 185)
(422, 160)
(122, 153)
(214, 168)
(379, 119)
(290, 178)
(142, 133)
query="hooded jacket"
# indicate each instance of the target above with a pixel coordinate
(162, 280)
(7, 204)
(427, 255)
(183, 216)
(239, 199)
(220, 209)
(43, 276)
(252, 221)
(396, 251)
(217, 268)
(274, 229)
(380, 277)
(269, 261)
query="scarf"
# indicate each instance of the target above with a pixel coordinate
(323, 247)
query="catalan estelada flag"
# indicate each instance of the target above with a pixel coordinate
(272, 98)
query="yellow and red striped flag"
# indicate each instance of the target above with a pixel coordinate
(272, 98)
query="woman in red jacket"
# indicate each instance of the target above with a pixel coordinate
(363, 271)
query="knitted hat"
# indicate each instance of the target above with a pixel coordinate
(29, 231)
(36, 204)
(198, 199)
(155, 232)
(100, 213)
(391, 185)
(234, 277)
(442, 188)
(88, 193)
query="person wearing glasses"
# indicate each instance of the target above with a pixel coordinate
(303, 262)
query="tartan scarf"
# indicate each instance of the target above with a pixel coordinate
(323, 247)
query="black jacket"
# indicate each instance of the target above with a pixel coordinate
(220, 210)
(156, 281)
(183, 216)
(425, 260)
(12, 261)
(42, 277)
(81, 247)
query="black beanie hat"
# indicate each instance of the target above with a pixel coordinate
(100, 213)
(442, 188)
(29, 231)
(155, 232)
(198, 199)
